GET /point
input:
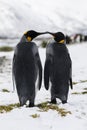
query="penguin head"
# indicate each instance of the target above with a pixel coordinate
(58, 37)
(30, 35)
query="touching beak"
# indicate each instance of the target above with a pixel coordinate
(38, 33)
(53, 34)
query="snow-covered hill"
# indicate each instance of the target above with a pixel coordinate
(69, 16)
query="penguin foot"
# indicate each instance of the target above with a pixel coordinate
(31, 105)
(53, 101)
(22, 101)
(22, 104)
(64, 101)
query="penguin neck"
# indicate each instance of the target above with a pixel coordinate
(59, 44)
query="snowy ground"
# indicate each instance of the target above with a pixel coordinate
(21, 119)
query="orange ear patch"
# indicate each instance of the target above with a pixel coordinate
(62, 41)
(29, 39)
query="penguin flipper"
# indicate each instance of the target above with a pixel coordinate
(71, 77)
(46, 74)
(40, 71)
(71, 83)
(40, 75)
(13, 72)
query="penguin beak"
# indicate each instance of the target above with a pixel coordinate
(40, 33)
(53, 34)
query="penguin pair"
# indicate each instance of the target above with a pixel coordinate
(58, 68)
(27, 68)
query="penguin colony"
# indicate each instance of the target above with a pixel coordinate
(27, 68)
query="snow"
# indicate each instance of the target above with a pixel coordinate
(69, 16)
(48, 15)
(21, 119)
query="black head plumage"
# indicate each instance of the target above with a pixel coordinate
(58, 36)
(32, 34)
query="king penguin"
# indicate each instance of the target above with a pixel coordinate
(58, 68)
(27, 68)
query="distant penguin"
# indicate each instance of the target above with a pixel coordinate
(27, 68)
(58, 68)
